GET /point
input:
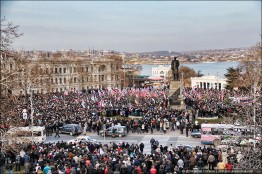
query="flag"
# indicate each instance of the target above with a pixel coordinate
(153, 100)
(83, 104)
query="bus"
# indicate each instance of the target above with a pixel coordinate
(35, 134)
(213, 134)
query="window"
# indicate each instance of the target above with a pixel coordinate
(65, 80)
(56, 80)
(46, 70)
(52, 81)
(60, 80)
(87, 79)
(82, 69)
(74, 79)
(11, 66)
(74, 69)
(60, 70)
(86, 69)
(64, 70)
(56, 70)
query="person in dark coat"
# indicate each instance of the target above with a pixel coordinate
(141, 146)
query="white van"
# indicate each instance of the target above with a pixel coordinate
(35, 134)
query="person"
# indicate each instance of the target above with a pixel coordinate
(141, 146)
(26, 162)
(57, 132)
(9, 167)
(73, 130)
(47, 169)
(211, 161)
(180, 165)
(17, 162)
(174, 67)
(221, 166)
(153, 170)
(200, 164)
(229, 166)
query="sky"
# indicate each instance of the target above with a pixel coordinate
(134, 26)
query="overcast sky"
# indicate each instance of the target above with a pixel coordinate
(134, 26)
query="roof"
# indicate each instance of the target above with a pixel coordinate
(35, 128)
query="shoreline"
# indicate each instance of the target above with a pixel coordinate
(169, 63)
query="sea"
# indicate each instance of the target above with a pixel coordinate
(206, 68)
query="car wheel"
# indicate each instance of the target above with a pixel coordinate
(71, 133)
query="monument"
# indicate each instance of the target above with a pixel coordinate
(175, 97)
(174, 67)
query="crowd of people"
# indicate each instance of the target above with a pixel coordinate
(215, 103)
(93, 109)
(121, 158)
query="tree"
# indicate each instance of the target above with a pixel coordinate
(248, 78)
(11, 65)
(248, 72)
(188, 73)
(233, 77)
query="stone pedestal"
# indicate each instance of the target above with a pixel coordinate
(175, 97)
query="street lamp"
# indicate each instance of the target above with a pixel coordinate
(32, 111)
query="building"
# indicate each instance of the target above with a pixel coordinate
(208, 82)
(59, 72)
(160, 71)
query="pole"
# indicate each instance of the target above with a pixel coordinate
(124, 74)
(182, 83)
(32, 112)
(104, 131)
(254, 114)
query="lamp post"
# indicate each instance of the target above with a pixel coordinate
(124, 74)
(32, 111)
(254, 114)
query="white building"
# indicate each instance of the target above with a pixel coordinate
(208, 82)
(160, 71)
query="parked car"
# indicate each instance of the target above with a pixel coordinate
(83, 139)
(68, 129)
(188, 147)
(114, 131)
(196, 133)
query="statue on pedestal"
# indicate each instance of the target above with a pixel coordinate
(174, 67)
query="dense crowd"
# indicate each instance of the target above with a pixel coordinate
(89, 108)
(213, 103)
(54, 109)
(121, 158)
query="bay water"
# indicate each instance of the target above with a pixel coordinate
(206, 68)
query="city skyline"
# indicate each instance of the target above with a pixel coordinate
(134, 26)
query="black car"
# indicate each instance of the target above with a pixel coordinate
(72, 129)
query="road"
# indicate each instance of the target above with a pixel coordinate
(171, 137)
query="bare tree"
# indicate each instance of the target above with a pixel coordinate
(250, 115)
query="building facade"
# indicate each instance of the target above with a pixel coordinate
(57, 74)
(208, 82)
(160, 71)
